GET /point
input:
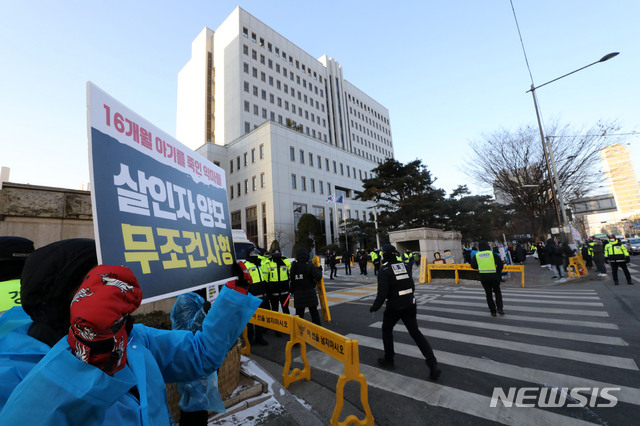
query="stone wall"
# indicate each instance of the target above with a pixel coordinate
(44, 214)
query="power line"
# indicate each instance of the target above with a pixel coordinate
(522, 42)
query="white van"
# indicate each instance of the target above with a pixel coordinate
(241, 244)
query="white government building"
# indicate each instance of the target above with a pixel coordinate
(287, 128)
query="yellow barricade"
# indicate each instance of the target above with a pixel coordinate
(576, 266)
(466, 267)
(333, 344)
(324, 304)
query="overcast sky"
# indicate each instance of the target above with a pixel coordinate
(449, 72)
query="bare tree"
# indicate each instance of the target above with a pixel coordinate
(514, 165)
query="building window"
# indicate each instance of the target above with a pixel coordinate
(231, 192)
(247, 127)
(238, 162)
(245, 49)
(255, 90)
(246, 186)
(246, 106)
(264, 113)
(238, 191)
(245, 32)
(246, 86)
(264, 94)
(261, 150)
(328, 188)
(254, 54)
(253, 183)
(293, 181)
(321, 186)
(303, 183)
(244, 159)
(334, 167)
(262, 183)
(254, 72)
(326, 164)
(230, 166)
(292, 154)
(253, 155)
(255, 109)
(319, 162)
(310, 159)
(245, 68)
(253, 37)
(312, 183)
(301, 156)
(262, 59)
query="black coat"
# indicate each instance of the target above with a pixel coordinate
(304, 279)
(553, 253)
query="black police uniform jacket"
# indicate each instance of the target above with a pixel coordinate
(395, 286)
(304, 277)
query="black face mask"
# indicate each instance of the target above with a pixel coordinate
(276, 256)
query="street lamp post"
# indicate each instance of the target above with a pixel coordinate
(556, 191)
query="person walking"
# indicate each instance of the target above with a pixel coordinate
(598, 258)
(555, 259)
(362, 261)
(333, 269)
(407, 258)
(375, 259)
(396, 287)
(489, 266)
(567, 253)
(617, 255)
(346, 259)
(304, 280)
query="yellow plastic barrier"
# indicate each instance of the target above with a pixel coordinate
(466, 267)
(576, 266)
(324, 304)
(333, 344)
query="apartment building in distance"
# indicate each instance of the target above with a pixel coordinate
(286, 127)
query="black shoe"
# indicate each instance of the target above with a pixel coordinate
(615, 283)
(493, 314)
(630, 283)
(385, 363)
(435, 373)
(500, 311)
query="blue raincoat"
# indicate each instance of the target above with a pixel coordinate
(62, 390)
(202, 394)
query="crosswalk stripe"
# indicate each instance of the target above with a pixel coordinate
(582, 337)
(591, 358)
(508, 297)
(528, 375)
(443, 396)
(511, 317)
(526, 294)
(536, 309)
(354, 292)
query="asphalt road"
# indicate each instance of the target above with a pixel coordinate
(565, 342)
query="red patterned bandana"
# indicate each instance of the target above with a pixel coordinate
(100, 318)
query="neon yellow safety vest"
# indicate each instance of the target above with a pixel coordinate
(486, 263)
(284, 270)
(9, 294)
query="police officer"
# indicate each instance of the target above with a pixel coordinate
(397, 288)
(375, 259)
(258, 267)
(304, 278)
(13, 255)
(617, 255)
(489, 266)
(407, 258)
(279, 268)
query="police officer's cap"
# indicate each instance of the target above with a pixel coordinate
(388, 248)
